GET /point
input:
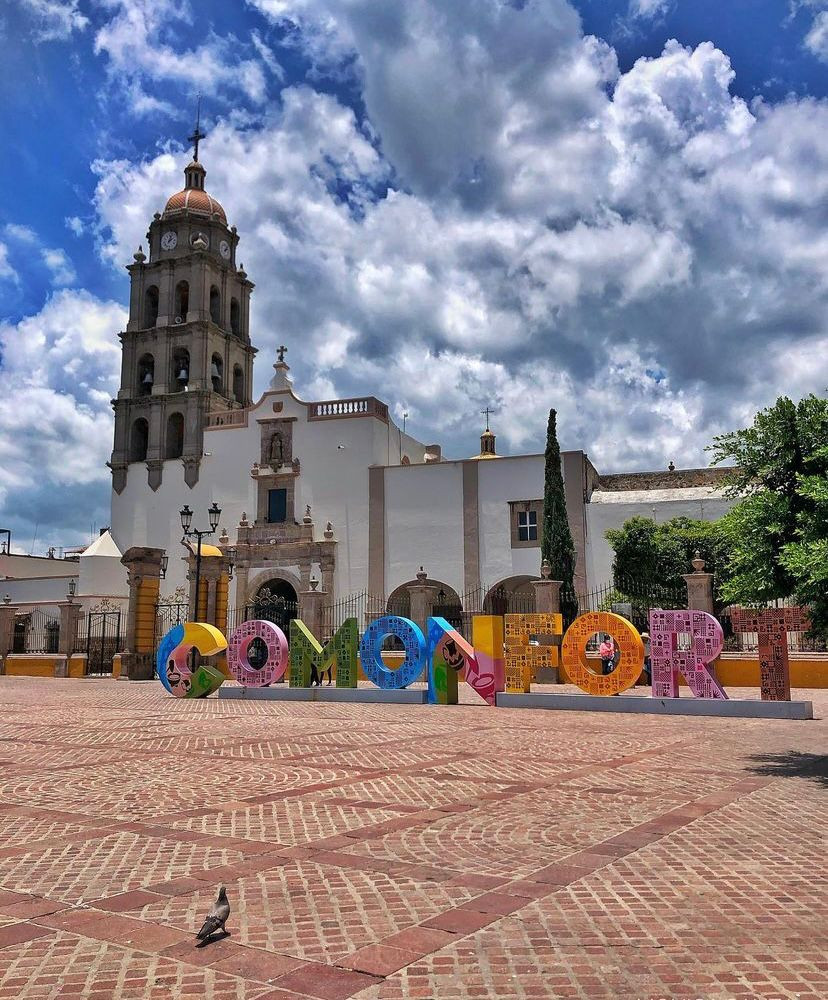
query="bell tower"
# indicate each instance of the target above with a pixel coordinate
(186, 349)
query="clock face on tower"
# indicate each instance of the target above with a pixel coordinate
(169, 240)
(224, 249)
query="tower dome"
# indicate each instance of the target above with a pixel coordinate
(193, 199)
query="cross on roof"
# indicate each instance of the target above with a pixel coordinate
(198, 134)
(487, 411)
(282, 351)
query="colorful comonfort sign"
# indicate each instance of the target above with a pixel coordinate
(772, 626)
(496, 659)
(174, 660)
(669, 660)
(628, 641)
(238, 653)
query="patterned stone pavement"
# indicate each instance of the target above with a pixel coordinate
(396, 852)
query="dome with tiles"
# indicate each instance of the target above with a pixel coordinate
(193, 199)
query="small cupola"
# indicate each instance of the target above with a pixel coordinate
(194, 175)
(487, 441)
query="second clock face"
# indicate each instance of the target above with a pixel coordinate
(169, 240)
(224, 249)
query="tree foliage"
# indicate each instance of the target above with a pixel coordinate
(658, 555)
(556, 538)
(778, 532)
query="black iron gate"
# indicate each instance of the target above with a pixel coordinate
(103, 641)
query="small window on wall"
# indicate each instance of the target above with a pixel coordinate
(276, 506)
(525, 518)
(527, 526)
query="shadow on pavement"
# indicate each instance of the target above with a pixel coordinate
(792, 764)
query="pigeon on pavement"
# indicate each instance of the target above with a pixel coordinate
(216, 916)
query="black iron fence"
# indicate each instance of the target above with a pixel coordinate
(628, 598)
(103, 640)
(36, 631)
(272, 608)
(363, 606)
(169, 614)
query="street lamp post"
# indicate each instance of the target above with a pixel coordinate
(214, 513)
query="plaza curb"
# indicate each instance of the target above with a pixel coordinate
(368, 696)
(715, 708)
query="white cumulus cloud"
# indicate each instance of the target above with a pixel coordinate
(138, 49)
(55, 20)
(514, 221)
(59, 372)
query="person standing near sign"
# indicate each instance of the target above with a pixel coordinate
(648, 667)
(607, 653)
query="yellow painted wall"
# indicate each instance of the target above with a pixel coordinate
(742, 670)
(222, 588)
(77, 666)
(145, 614)
(31, 666)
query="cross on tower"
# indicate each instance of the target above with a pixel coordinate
(198, 134)
(487, 411)
(282, 351)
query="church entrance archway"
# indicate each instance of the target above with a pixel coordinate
(513, 596)
(275, 601)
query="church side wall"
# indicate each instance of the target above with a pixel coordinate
(608, 511)
(424, 524)
(141, 516)
(501, 481)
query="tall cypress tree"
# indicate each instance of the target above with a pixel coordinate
(556, 538)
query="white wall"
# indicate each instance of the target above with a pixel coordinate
(608, 510)
(424, 524)
(21, 567)
(45, 590)
(334, 454)
(500, 481)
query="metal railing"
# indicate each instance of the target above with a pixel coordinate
(365, 406)
(36, 631)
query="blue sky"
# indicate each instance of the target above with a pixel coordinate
(616, 207)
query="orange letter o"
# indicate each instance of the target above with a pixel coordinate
(573, 653)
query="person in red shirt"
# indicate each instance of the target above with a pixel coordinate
(607, 653)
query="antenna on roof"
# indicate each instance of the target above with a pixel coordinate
(198, 134)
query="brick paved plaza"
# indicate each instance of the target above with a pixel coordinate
(384, 852)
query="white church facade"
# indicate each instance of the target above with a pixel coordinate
(325, 494)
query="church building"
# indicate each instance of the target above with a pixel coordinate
(329, 495)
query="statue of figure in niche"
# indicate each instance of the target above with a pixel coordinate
(277, 451)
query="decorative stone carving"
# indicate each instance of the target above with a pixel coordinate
(192, 467)
(155, 472)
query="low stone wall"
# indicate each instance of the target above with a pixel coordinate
(44, 665)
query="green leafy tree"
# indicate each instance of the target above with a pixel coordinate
(777, 531)
(649, 555)
(556, 538)
(806, 559)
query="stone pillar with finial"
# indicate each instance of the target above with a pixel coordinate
(699, 586)
(547, 602)
(143, 566)
(311, 603)
(422, 600)
(70, 615)
(547, 592)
